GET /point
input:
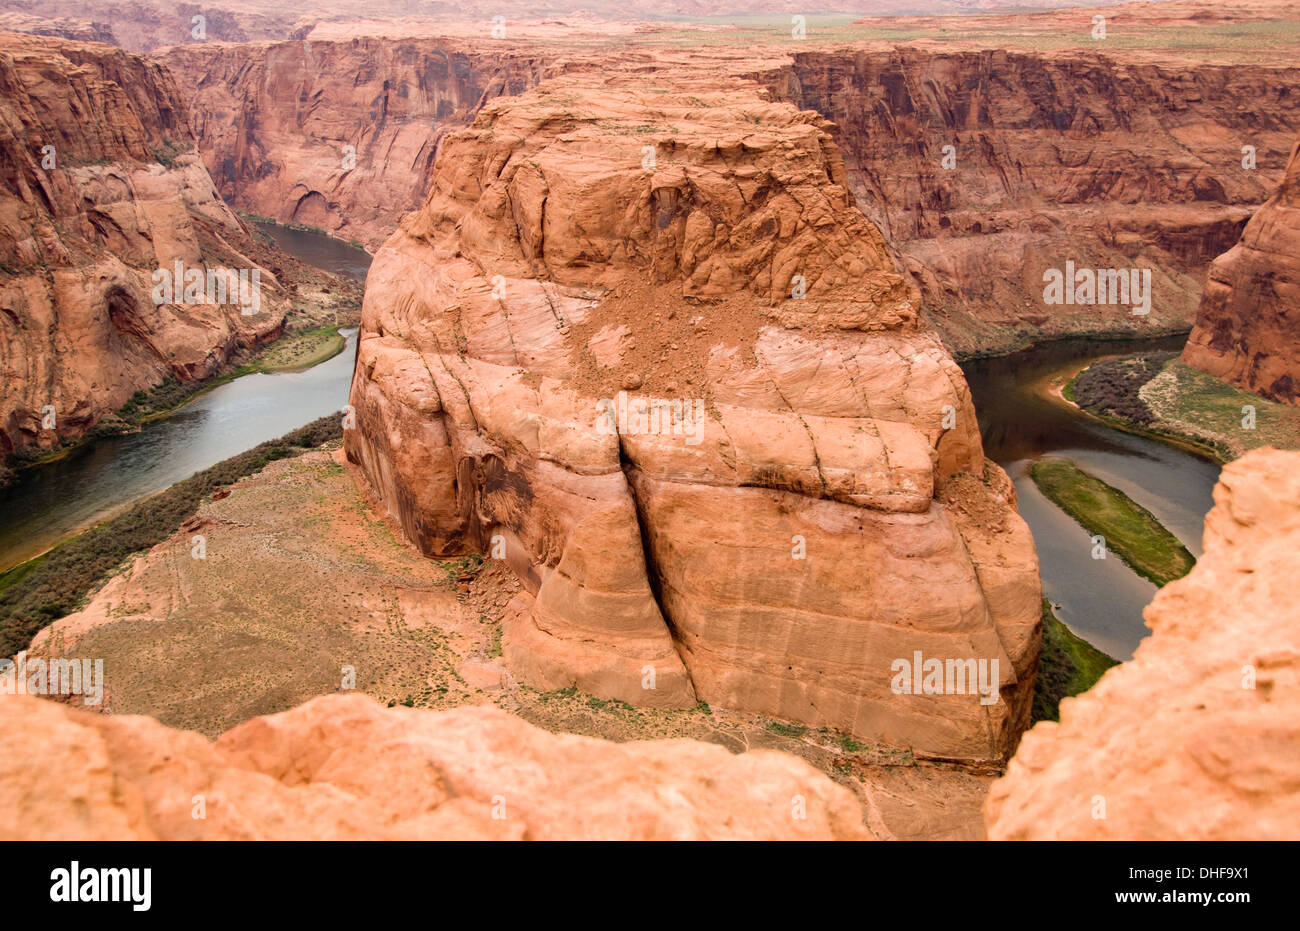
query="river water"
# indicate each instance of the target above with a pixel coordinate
(1100, 600)
(50, 502)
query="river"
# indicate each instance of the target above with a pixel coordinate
(49, 502)
(1100, 600)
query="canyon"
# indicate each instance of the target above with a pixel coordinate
(1062, 147)
(1197, 737)
(284, 136)
(1065, 156)
(655, 437)
(1194, 739)
(104, 187)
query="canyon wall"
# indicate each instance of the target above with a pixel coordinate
(1106, 160)
(1093, 157)
(1198, 736)
(1248, 324)
(343, 768)
(81, 30)
(609, 241)
(102, 185)
(341, 134)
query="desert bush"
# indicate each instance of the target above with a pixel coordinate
(1111, 386)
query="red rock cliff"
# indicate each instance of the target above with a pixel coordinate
(1248, 324)
(1105, 158)
(102, 185)
(338, 134)
(1067, 155)
(682, 237)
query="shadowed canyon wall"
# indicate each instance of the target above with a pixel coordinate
(102, 185)
(1055, 156)
(1248, 324)
(685, 238)
(338, 135)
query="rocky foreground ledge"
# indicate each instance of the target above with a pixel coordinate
(1198, 736)
(343, 768)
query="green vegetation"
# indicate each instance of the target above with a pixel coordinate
(1159, 396)
(1113, 386)
(300, 350)
(1130, 530)
(849, 745)
(40, 591)
(1207, 410)
(265, 237)
(1067, 666)
(785, 729)
(166, 153)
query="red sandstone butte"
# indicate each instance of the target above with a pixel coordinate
(834, 511)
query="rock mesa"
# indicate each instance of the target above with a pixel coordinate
(598, 244)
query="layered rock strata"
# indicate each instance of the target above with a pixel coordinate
(1198, 736)
(341, 134)
(1063, 148)
(596, 246)
(102, 191)
(985, 168)
(1248, 323)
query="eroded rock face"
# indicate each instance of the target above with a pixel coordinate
(1198, 736)
(343, 768)
(1076, 155)
(1248, 325)
(102, 187)
(340, 134)
(764, 552)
